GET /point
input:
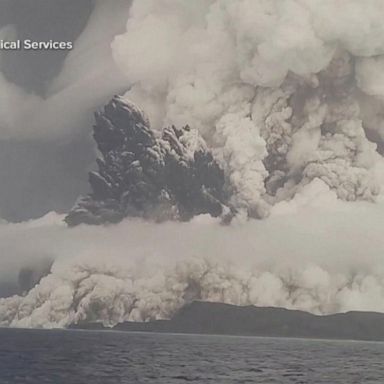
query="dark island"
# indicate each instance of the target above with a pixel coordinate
(224, 319)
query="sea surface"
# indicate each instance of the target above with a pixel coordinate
(92, 357)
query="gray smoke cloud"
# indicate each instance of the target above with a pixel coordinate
(289, 94)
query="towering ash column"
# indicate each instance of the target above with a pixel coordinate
(173, 176)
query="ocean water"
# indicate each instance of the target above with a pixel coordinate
(91, 357)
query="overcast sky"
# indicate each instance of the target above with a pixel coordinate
(41, 20)
(37, 175)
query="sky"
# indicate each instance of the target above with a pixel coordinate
(41, 173)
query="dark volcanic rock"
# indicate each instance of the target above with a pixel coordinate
(218, 318)
(169, 175)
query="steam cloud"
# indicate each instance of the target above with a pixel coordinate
(289, 94)
(315, 253)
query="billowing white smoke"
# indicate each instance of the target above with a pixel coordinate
(314, 253)
(279, 87)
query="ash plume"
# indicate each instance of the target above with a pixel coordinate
(278, 88)
(170, 177)
(287, 97)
